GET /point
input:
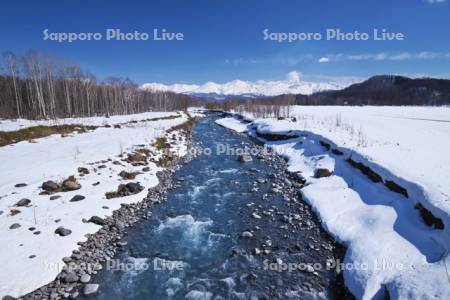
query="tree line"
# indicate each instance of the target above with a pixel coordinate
(38, 86)
(274, 107)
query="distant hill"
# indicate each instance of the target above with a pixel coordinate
(385, 90)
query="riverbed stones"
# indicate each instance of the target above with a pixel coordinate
(256, 216)
(104, 243)
(63, 231)
(90, 289)
(97, 220)
(256, 251)
(55, 197)
(85, 278)
(244, 158)
(70, 277)
(246, 234)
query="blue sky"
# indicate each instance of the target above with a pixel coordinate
(224, 40)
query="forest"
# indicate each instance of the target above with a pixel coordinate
(39, 86)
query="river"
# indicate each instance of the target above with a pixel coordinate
(228, 230)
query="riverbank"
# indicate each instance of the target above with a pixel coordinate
(395, 244)
(79, 212)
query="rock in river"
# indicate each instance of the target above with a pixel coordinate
(244, 158)
(246, 234)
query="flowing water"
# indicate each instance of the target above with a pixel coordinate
(192, 247)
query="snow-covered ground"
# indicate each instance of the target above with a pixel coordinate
(13, 125)
(29, 260)
(389, 246)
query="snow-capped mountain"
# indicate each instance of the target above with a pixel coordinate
(291, 85)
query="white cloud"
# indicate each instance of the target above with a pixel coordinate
(291, 85)
(435, 1)
(425, 55)
(241, 61)
(293, 76)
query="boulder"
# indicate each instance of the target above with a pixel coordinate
(97, 220)
(129, 189)
(14, 212)
(50, 186)
(63, 231)
(23, 202)
(77, 198)
(14, 226)
(322, 172)
(70, 185)
(128, 175)
(70, 277)
(83, 170)
(19, 185)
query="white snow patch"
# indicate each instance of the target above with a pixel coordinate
(16, 124)
(232, 123)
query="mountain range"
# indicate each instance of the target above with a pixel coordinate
(385, 90)
(248, 89)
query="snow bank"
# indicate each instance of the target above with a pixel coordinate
(56, 158)
(389, 246)
(232, 123)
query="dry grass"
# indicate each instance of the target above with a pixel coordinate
(164, 118)
(185, 127)
(161, 143)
